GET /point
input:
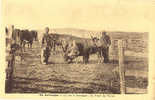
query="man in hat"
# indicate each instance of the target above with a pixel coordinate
(46, 47)
(107, 42)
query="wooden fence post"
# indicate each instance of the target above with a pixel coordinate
(9, 81)
(121, 66)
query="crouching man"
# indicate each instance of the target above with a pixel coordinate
(46, 47)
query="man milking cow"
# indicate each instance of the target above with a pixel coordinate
(46, 47)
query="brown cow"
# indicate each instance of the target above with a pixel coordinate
(86, 47)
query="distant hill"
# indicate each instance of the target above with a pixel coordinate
(82, 33)
(70, 37)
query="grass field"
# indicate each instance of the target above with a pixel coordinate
(58, 77)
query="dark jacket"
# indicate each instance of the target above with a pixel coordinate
(106, 41)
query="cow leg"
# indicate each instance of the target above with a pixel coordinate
(85, 58)
(30, 45)
(21, 42)
(46, 59)
(24, 46)
(31, 42)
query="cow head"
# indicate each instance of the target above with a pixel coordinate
(95, 41)
(99, 43)
(70, 50)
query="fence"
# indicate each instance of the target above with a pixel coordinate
(134, 45)
(11, 54)
(118, 46)
(9, 73)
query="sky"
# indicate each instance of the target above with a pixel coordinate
(111, 15)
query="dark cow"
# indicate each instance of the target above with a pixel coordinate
(35, 34)
(86, 47)
(26, 36)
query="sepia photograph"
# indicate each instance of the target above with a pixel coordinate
(76, 47)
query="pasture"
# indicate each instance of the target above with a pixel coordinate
(58, 77)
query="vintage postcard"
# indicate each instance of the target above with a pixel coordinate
(99, 49)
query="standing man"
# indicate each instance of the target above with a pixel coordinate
(46, 47)
(105, 39)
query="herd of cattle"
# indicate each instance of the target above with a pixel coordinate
(86, 47)
(22, 36)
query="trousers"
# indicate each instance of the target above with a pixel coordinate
(45, 54)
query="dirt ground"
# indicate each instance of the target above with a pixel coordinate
(58, 77)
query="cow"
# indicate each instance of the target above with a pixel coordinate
(26, 36)
(35, 34)
(86, 47)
